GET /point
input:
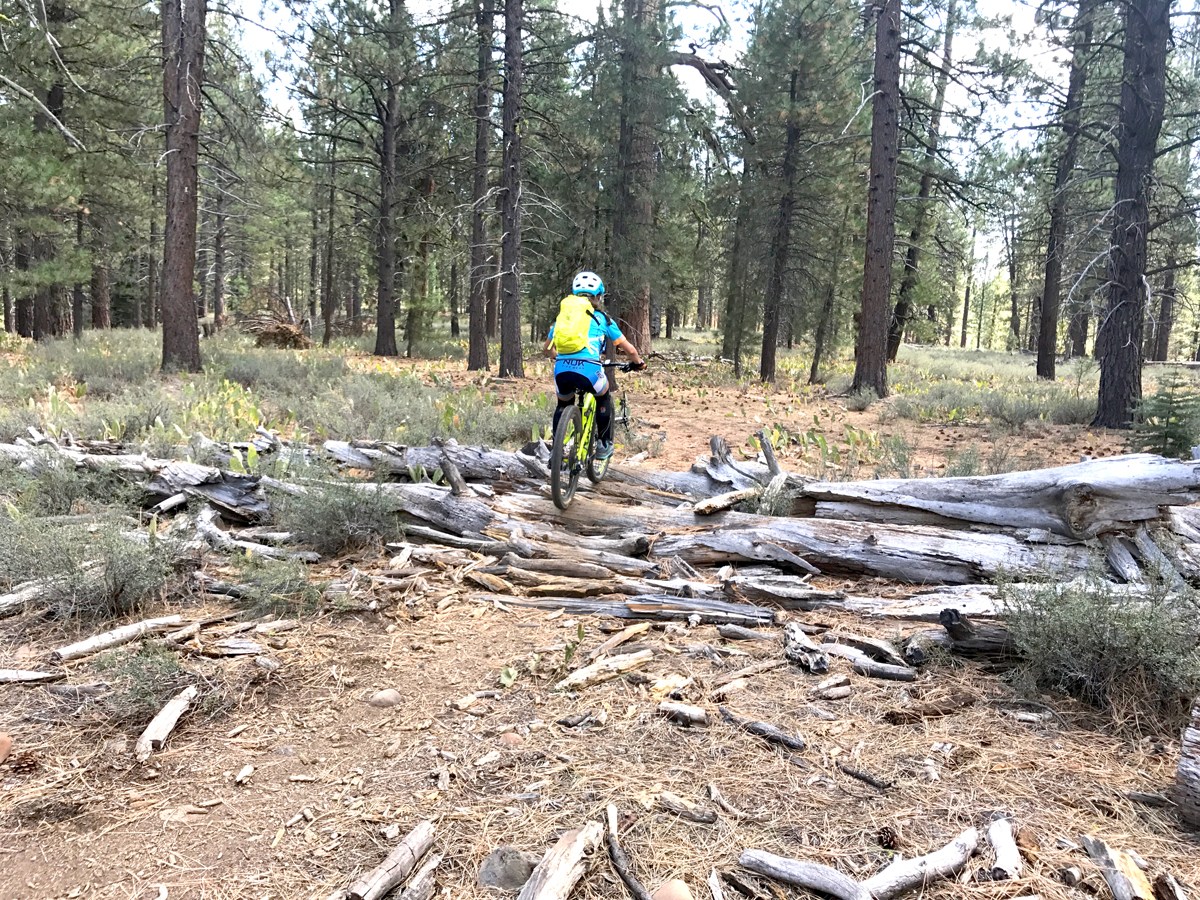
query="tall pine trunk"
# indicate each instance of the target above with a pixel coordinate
(389, 116)
(77, 292)
(1047, 347)
(477, 327)
(328, 298)
(912, 258)
(1166, 317)
(870, 365)
(781, 240)
(735, 285)
(218, 290)
(962, 338)
(825, 321)
(183, 32)
(1143, 101)
(511, 363)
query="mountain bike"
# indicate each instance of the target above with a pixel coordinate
(574, 449)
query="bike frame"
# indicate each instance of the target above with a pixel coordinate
(587, 407)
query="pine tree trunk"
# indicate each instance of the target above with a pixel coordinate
(477, 326)
(492, 301)
(781, 240)
(870, 368)
(7, 252)
(218, 293)
(825, 319)
(77, 292)
(328, 297)
(1166, 317)
(455, 287)
(154, 255)
(962, 339)
(912, 258)
(1143, 101)
(385, 321)
(101, 294)
(1014, 301)
(735, 287)
(183, 34)
(1047, 347)
(511, 362)
(313, 255)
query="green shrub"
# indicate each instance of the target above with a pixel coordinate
(278, 587)
(860, 401)
(339, 517)
(1110, 647)
(58, 488)
(141, 681)
(895, 458)
(963, 464)
(1168, 421)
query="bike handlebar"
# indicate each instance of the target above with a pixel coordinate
(623, 367)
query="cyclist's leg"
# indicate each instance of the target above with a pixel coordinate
(566, 383)
(604, 408)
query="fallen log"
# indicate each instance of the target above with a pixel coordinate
(919, 712)
(810, 876)
(114, 638)
(206, 525)
(1077, 501)
(160, 727)
(1008, 864)
(1123, 876)
(604, 670)
(26, 676)
(557, 874)
(16, 600)
(683, 714)
(710, 612)
(864, 665)
(685, 809)
(765, 730)
(785, 591)
(1187, 775)
(397, 866)
(906, 874)
(880, 651)
(423, 884)
(617, 640)
(1167, 888)
(739, 633)
(800, 649)
(726, 501)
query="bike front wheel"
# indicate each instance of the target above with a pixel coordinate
(564, 457)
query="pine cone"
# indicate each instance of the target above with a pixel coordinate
(24, 763)
(888, 838)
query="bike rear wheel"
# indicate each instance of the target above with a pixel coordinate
(564, 457)
(596, 468)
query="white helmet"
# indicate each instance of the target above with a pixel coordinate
(588, 283)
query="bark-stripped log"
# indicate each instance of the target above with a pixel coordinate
(397, 866)
(114, 638)
(604, 670)
(1008, 865)
(562, 867)
(160, 727)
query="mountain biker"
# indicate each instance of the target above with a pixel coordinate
(582, 370)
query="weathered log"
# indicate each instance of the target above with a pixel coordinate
(738, 633)
(1122, 875)
(836, 687)
(23, 595)
(1167, 888)
(618, 639)
(786, 591)
(26, 676)
(810, 876)
(969, 638)
(726, 501)
(864, 665)
(765, 730)
(933, 709)
(620, 859)
(1155, 559)
(1078, 501)
(1187, 775)
(715, 795)
(683, 714)
(714, 885)
(423, 884)
(1120, 559)
(800, 649)
(685, 809)
(114, 638)
(661, 608)
(766, 665)
(878, 650)
(562, 867)
(160, 727)
(604, 670)
(1008, 864)
(397, 866)
(206, 525)
(906, 874)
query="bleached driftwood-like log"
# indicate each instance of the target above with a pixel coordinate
(836, 687)
(1187, 775)
(765, 665)
(604, 670)
(782, 590)
(1077, 501)
(683, 714)
(932, 709)
(160, 727)
(740, 633)
(1008, 865)
(810, 876)
(726, 501)
(765, 730)
(878, 650)
(423, 884)
(26, 676)
(1167, 888)
(714, 885)
(207, 527)
(618, 639)
(799, 648)
(23, 595)
(115, 638)
(864, 665)
(557, 874)
(659, 607)
(906, 874)
(397, 866)
(1123, 876)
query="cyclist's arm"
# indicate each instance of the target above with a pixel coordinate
(623, 344)
(548, 349)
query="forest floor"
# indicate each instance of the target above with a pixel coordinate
(477, 740)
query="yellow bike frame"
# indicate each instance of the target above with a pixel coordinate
(589, 418)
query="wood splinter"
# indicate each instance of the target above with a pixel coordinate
(685, 809)
(765, 730)
(683, 714)
(562, 867)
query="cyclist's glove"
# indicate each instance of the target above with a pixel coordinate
(637, 366)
